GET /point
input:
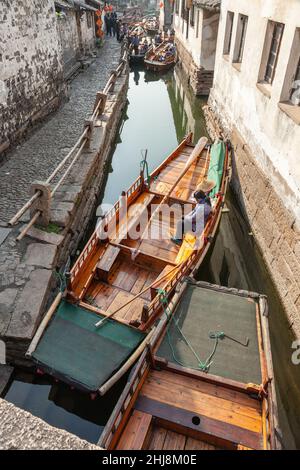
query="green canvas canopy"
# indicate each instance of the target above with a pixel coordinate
(202, 311)
(216, 165)
(73, 350)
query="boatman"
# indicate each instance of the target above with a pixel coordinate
(196, 220)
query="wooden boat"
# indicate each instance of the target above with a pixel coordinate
(159, 59)
(151, 25)
(142, 50)
(95, 330)
(169, 403)
(137, 30)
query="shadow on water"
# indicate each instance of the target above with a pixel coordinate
(160, 111)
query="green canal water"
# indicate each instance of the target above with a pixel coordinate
(160, 111)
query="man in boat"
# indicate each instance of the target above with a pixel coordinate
(195, 221)
(135, 42)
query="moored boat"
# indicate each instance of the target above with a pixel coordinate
(137, 58)
(151, 25)
(162, 57)
(96, 329)
(206, 382)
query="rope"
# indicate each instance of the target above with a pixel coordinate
(202, 366)
(144, 165)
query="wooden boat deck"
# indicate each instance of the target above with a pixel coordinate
(170, 403)
(127, 277)
(168, 420)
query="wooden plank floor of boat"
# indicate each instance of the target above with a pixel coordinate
(126, 277)
(174, 411)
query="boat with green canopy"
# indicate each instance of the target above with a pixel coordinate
(101, 323)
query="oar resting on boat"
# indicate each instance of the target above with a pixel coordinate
(194, 155)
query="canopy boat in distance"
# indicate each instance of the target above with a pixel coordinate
(206, 382)
(162, 57)
(96, 329)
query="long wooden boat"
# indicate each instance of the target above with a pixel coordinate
(142, 50)
(170, 403)
(95, 330)
(158, 58)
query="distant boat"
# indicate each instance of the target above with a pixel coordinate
(206, 381)
(95, 331)
(162, 57)
(151, 25)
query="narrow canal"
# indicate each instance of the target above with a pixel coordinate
(160, 111)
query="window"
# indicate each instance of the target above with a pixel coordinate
(295, 92)
(89, 20)
(192, 16)
(274, 52)
(177, 7)
(290, 95)
(240, 39)
(182, 8)
(271, 52)
(228, 33)
(197, 23)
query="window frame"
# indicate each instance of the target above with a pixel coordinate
(240, 39)
(228, 33)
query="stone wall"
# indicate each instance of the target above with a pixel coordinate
(31, 82)
(20, 430)
(88, 31)
(69, 39)
(196, 43)
(200, 80)
(273, 227)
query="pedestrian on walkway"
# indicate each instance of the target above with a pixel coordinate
(107, 21)
(113, 17)
(118, 30)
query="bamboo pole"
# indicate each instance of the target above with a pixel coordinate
(110, 315)
(28, 226)
(43, 325)
(29, 203)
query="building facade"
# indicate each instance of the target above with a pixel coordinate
(31, 81)
(196, 29)
(41, 40)
(255, 101)
(76, 31)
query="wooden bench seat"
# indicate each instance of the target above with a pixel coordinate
(107, 261)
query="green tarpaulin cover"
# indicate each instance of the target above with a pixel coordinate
(216, 165)
(202, 311)
(75, 351)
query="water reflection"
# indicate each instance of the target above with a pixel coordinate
(63, 407)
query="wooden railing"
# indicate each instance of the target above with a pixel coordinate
(76, 150)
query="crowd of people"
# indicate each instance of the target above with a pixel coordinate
(114, 26)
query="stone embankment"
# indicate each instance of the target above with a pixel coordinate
(20, 430)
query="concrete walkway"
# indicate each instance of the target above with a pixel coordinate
(44, 149)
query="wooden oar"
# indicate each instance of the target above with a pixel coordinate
(194, 155)
(110, 315)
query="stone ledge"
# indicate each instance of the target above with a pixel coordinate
(19, 430)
